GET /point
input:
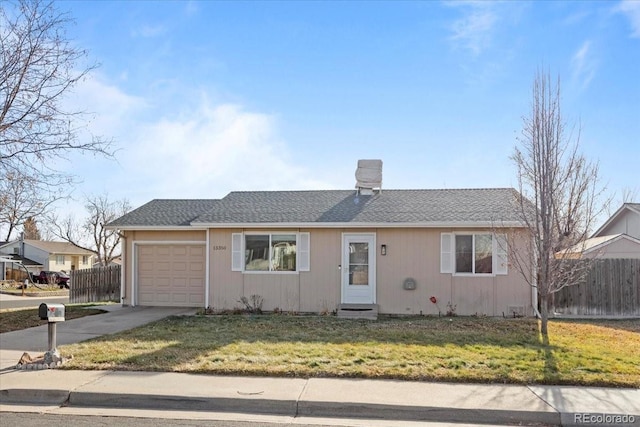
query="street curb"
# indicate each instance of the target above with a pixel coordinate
(182, 403)
(425, 413)
(31, 396)
(290, 408)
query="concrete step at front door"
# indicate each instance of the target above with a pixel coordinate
(358, 311)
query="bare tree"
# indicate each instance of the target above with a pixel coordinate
(39, 67)
(92, 234)
(564, 188)
(24, 196)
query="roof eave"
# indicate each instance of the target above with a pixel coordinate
(156, 227)
(434, 224)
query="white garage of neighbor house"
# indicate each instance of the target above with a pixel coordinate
(320, 251)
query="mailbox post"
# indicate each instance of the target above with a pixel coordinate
(52, 313)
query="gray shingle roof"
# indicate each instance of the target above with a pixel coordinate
(346, 206)
(460, 206)
(165, 213)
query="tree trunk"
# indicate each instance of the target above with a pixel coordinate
(544, 315)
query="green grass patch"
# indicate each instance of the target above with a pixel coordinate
(596, 353)
(17, 319)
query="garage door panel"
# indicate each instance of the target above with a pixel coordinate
(179, 251)
(146, 266)
(196, 267)
(164, 250)
(171, 275)
(180, 266)
(180, 282)
(145, 250)
(163, 266)
(163, 297)
(196, 251)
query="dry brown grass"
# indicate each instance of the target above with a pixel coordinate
(15, 320)
(603, 353)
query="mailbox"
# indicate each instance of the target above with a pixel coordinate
(51, 312)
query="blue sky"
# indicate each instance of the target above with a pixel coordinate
(203, 98)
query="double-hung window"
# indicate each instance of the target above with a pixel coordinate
(60, 260)
(270, 252)
(473, 253)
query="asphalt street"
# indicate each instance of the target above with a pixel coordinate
(89, 420)
(15, 301)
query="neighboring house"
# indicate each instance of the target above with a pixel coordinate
(16, 267)
(625, 220)
(618, 237)
(613, 246)
(319, 251)
(49, 256)
(96, 264)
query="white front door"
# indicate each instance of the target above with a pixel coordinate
(358, 268)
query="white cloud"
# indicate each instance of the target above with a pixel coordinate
(474, 30)
(631, 9)
(213, 150)
(108, 108)
(583, 65)
(148, 31)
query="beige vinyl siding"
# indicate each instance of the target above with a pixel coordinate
(415, 253)
(311, 291)
(320, 286)
(411, 252)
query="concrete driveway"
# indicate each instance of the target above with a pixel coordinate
(35, 340)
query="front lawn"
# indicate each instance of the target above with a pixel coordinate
(17, 319)
(596, 353)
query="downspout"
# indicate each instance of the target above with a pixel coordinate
(534, 287)
(534, 299)
(207, 280)
(123, 264)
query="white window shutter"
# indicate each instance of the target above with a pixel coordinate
(446, 253)
(304, 245)
(236, 252)
(502, 255)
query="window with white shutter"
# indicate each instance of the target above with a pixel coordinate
(237, 260)
(304, 244)
(446, 253)
(502, 255)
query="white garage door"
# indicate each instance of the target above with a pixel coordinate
(171, 275)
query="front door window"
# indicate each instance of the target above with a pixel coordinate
(359, 264)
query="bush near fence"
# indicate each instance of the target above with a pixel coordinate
(99, 284)
(610, 288)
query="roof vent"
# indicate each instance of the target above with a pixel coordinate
(369, 176)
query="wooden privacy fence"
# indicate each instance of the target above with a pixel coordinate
(610, 288)
(95, 285)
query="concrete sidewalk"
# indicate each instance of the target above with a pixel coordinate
(320, 397)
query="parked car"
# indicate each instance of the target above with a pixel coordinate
(59, 278)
